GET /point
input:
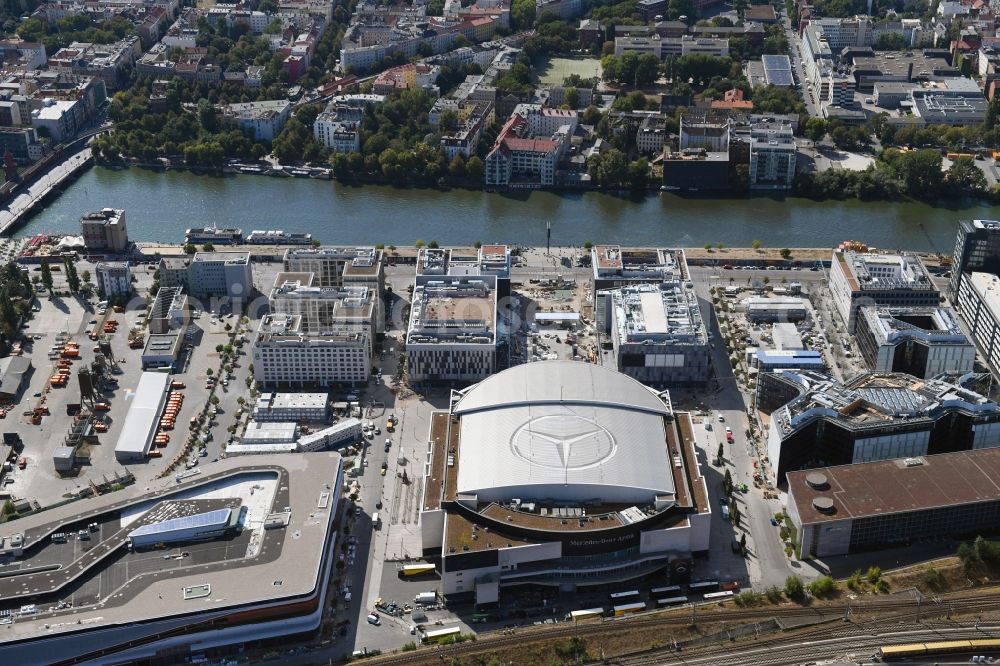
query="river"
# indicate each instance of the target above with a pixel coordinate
(160, 205)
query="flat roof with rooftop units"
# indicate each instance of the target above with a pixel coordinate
(614, 266)
(848, 508)
(453, 308)
(98, 600)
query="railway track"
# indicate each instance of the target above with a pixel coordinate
(783, 653)
(884, 610)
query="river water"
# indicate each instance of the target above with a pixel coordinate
(160, 205)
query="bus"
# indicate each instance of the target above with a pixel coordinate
(669, 591)
(671, 601)
(411, 570)
(703, 586)
(622, 597)
(715, 596)
(628, 609)
(585, 614)
(438, 635)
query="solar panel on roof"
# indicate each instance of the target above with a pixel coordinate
(217, 517)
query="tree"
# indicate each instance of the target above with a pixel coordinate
(727, 481)
(588, 246)
(448, 120)
(743, 543)
(785, 253)
(85, 276)
(755, 244)
(475, 168)
(457, 167)
(72, 279)
(208, 247)
(794, 589)
(815, 129)
(189, 248)
(964, 178)
(47, 276)
(708, 247)
(572, 97)
(522, 14)
(720, 454)
(420, 243)
(433, 245)
(215, 400)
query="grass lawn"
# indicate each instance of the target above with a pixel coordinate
(552, 71)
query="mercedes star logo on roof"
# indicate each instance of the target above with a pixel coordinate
(563, 441)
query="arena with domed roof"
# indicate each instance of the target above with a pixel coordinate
(561, 473)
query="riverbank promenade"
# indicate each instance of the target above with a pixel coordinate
(24, 202)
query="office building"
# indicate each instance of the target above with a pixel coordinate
(977, 248)
(657, 333)
(324, 309)
(261, 573)
(105, 230)
(172, 272)
(617, 267)
(761, 309)
(665, 47)
(853, 508)
(286, 356)
(294, 407)
(878, 417)
(772, 360)
(896, 280)
(561, 473)
(220, 274)
(979, 302)
(260, 433)
(113, 279)
(924, 342)
(169, 311)
(452, 333)
(343, 267)
(161, 350)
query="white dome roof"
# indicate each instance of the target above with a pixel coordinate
(565, 431)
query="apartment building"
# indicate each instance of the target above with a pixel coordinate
(220, 274)
(23, 144)
(452, 333)
(105, 230)
(263, 120)
(464, 139)
(520, 160)
(896, 280)
(339, 126)
(113, 279)
(772, 155)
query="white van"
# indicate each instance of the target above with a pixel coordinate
(376, 521)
